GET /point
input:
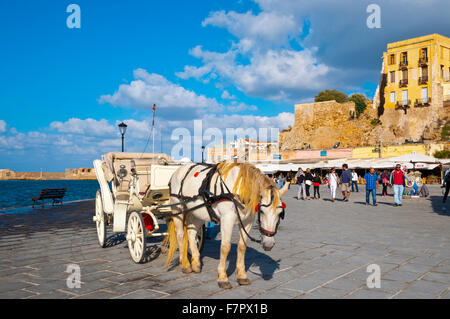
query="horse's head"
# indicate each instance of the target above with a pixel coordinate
(270, 211)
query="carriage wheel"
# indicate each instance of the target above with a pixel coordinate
(136, 237)
(100, 220)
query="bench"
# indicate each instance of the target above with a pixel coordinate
(55, 194)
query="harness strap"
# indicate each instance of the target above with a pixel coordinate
(237, 211)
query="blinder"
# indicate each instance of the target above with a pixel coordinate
(263, 231)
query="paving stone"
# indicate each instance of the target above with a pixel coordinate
(369, 294)
(437, 277)
(430, 287)
(142, 294)
(345, 284)
(404, 276)
(324, 293)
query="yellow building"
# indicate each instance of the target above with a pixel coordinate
(417, 73)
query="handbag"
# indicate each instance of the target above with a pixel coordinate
(308, 182)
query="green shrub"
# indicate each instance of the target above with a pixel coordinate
(442, 154)
(445, 134)
(375, 122)
(360, 103)
(329, 95)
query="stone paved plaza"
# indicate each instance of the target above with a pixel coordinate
(322, 251)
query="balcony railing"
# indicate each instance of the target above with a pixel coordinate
(423, 60)
(423, 79)
(403, 64)
(423, 102)
(402, 104)
(403, 83)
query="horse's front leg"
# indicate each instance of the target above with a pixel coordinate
(192, 230)
(242, 278)
(226, 229)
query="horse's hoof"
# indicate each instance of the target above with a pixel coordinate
(186, 270)
(224, 284)
(196, 269)
(243, 281)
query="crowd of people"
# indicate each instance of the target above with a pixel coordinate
(348, 182)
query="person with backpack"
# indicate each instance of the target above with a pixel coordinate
(316, 184)
(398, 180)
(346, 178)
(300, 179)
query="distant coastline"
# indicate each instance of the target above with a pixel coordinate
(69, 174)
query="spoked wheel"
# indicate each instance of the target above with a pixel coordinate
(100, 221)
(136, 237)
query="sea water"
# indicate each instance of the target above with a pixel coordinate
(18, 193)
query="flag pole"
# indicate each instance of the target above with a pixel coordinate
(153, 128)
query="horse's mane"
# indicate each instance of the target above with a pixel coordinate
(250, 184)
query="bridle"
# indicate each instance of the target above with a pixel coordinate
(263, 231)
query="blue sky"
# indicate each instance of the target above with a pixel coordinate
(226, 63)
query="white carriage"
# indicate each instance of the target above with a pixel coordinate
(134, 198)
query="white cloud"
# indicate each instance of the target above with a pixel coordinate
(227, 96)
(274, 74)
(262, 63)
(2, 126)
(239, 107)
(265, 29)
(150, 88)
(88, 126)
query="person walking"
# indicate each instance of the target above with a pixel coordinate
(346, 178)
(308, 183)
(446, 184)
(300, 178)
(371, 186)
(333, 183)
(281, 181)
(385, 183)
(398, 179)
(317, 180)
(354, 181)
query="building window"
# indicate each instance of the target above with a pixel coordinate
(425, 95)
(392, 59)
(424, 71)
(392, 76)
(405, 57)
(424, 53)
(405, 97)
(392, 97)
(405, 74)
(442, 72)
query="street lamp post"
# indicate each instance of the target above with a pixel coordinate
(203, 150)
(123, 129)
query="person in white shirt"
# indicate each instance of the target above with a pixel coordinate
(354, 181)
(333, 182)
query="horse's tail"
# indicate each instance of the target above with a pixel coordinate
(171, 241)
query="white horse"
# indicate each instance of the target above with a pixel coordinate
(236, 194)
